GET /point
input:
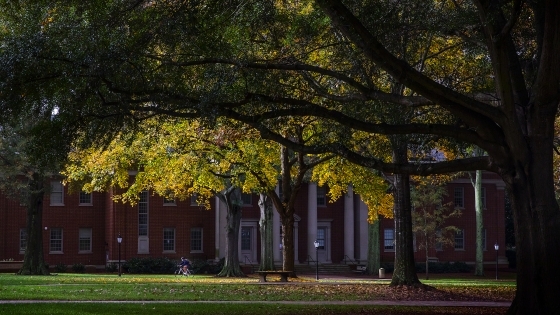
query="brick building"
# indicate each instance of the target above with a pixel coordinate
(83, 228)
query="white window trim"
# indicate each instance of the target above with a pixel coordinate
(201, 250)
(61, 203)
(22, 232)
(174, 240)
(455, 242)
(385, 249)
(81, 204)
(90, 236)
(321, 193)
(61, 251)
(462, 190)
(169, 202)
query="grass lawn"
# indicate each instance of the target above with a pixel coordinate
(155, 289)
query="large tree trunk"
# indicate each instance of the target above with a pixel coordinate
(405, 270)
(288, 248)
(537, 222)
(265, 224)
(33, 261)
(374, 254)
(233, 201)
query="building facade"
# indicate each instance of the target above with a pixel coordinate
(83, 228)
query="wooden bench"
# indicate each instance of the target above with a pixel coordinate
(283, 275)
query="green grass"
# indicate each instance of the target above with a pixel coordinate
(161, 288)
(229, 309)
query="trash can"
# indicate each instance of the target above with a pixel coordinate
(381, 273)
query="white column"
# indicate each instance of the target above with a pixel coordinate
(349, 223)
(311, 218)
(276, 240)
(363, 224)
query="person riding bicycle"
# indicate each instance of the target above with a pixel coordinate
(185, 264)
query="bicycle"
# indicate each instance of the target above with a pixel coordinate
(180, 272)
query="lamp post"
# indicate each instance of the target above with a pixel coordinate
(496, 247)
(119, 240)
(316, 260)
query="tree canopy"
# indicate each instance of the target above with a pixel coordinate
(260, 61)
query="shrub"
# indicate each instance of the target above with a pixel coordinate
(112, 267)
(149, 265)
(60, 267)
(78, 268)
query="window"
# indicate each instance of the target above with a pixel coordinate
(143, 214)
(321, 196)
(439, 244)
(246, 232)
(389, 240)
(483, 239)
(195, 201)
(85, 240)
(169, 201)
(321, 232)
(169, 240)
(22, 240)
(247, 200)
(458, 197)
(85, 198)
(460, 240)
(196, 240)
(56, 240)
(57, 193)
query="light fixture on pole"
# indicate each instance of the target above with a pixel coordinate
(316, 260)
(496, 247)
(119, 240)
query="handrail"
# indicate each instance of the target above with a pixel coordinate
(248, 259)
(355, 262)
(309, 259)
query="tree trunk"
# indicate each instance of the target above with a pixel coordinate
(265, 224)
(479, 262)
(231, 268)
(537, 222)
(426, 249)
(288, 249)
(374, 254)
(404, 272)
(33, 261)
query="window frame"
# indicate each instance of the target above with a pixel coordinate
(389, 243)
(197, 241)
(60, 240)
(456, 192)
(143, 214)
(22, 240)
(247, 199)
(56, 192)
(321, 196)
(87, 237)
(83, 201)
(461, 238)
(167, 240)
